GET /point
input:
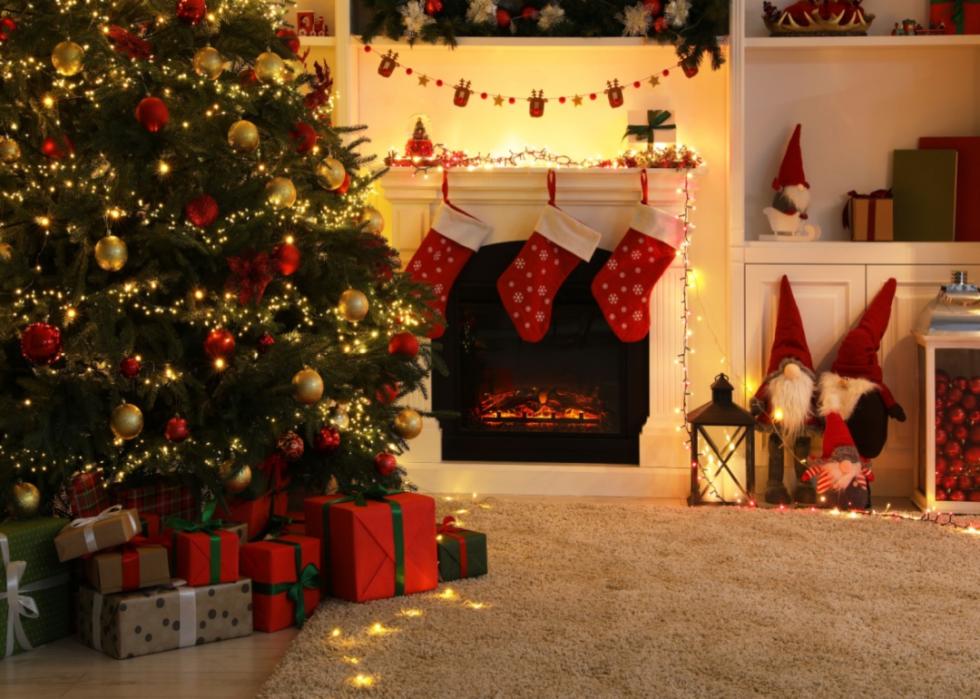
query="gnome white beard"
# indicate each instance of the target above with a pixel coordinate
(841, 395)
(791, 392)
(799, 196)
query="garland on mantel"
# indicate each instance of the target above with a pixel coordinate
(692, 26)
(673, 157)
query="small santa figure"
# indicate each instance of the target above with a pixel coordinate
(841, 475)
(787, 215)
(854, 388)
(783, 405)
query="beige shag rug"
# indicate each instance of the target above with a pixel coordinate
(634, 600)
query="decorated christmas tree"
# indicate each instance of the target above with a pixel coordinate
(191, 281)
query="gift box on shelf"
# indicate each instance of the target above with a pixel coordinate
(163, 498)
(285, 578)
(35, 593)
(129, 624)
(112, 527)
(130, 567)
(870, 217)
(205, 551)
(956, 16)
(375, 545)
(88, 494)
(254, 514)
(462, 552)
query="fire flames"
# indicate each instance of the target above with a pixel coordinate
(544, 409)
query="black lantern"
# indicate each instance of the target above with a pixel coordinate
(718, 430)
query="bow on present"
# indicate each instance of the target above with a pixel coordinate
(449, 528)
(307, 578)
(250, 275)
(86, 524)
(655, 122)
(20, 604)
(448, 525)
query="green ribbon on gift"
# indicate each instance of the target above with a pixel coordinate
(307, 578)
(360, 499)
(208, 525)
(655, 122)
(959, 16)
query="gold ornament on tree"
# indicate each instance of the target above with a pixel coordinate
(339, 417)
(111, 253)
(353, 305)
(25, 500)
(9, 150)
(243, 136)
(235, 480)
(6, 252)
(408, 423)
(67, 57)
(209, 63)
(269, 67)
(126, 421)
(372, 220)
(280, 192)
(307, 386)
(330, 174)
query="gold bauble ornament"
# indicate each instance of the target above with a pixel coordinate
(25, 500)
(353, 305)
(269, 67)
(67, 57)
(307, 386)
(209, 63)
(9, 150)
(127, 421)
(235, 480)
(111, 253)
(294, 69)
(243, 136)
(408, 423)
(330, 174)
(372, 220)
(6, 252)
(339, 417)
(280, 192)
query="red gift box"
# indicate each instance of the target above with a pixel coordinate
(284, 571)
(957, 16)
(151, 524)
(164, 499)
(207, 558)
(375, 546)
(254, 514)
(88, 494)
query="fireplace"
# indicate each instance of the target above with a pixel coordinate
(579, 395)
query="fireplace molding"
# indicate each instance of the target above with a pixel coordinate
(510, 201)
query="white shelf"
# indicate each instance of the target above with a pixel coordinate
(544, 42)
(796, 43)
(318, 41)
(844, 252)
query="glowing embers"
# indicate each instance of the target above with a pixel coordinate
(551, 409)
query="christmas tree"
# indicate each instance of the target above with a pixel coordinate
(191, 281)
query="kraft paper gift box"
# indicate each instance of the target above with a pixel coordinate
(462, 552)
(374, 546)
(129, 624)
(130, 567)
(112, 527)
(32, 576)
(285, 576)
(871, 217)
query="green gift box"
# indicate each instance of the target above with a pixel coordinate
(35, 594)
(462, 552)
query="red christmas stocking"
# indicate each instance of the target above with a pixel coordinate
(623, 285)
(528, 286)
(447, 247)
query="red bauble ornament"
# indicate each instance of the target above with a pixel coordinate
(965, 482)
(327, 440)
(287, 258)
(40, 343)
(942, 376)
(941, 436)
(529, 12)
(972, 456)
(942, 388)
(7, 27)
(659, 25)
(957, 415)
(385, 464)
(954, 396)
(953, 449)
(975, 434)
(503, 18)
(344, 186)
(130, 367)
(962, 383)
(201, 211)
(960, 433)
(387, 394)
(973, 417)
(941, 465)
(969, 401)
(404, 345)
(191, 11)
(974, 496)
(957, 496)
(219, 344)
(655, 7)
(57, 147)
(152, 114)
(304, 136)
(291, 445)
(247, 77)
(975, 384)
(289, 38)
(956, 467)
(176, 430)
(940, 494)
(433, 7)
(949, 482)
(266, 341)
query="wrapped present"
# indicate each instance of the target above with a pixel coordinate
(290, 523)
(87, 494)
(129, 624)
(129, 567)
(375, 545)
(871, 217)
(163, 498)
(650, 128)
(151, 524)
(285, 577)
(35, 600)
(111, 527)
(206, 552)
(462, 552)
(956, 16)
(254, 514)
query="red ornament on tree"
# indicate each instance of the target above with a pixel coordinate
(404, 345)
(266, 341)
(287, 257)
(57, 147)
(219, 344)
(529, 12)
(289, 38)
(176, 430)
(327, 440)
(130, 367)
(191, 11)
(152, 114)
(503, 18)
(385, 464)
(40, 343)
(433, 7)
(387, 394)
(7, 27)
(291, 445)
(128, 43)
(304, 136)
(201, 211)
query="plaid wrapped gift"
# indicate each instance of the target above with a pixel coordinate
(88, 494)
(164, 499)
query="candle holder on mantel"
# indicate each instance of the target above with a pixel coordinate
(728, 433)
(948, 337)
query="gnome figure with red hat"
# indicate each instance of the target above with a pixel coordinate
(853, 388)
(841, 475)
(784, 402)
(787, 215)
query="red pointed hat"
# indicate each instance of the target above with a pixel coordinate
(791, 169)
(789, 341)
(837, 441)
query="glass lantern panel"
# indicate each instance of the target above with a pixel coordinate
(721, 484)
(957, 403)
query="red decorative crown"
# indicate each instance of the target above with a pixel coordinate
(817, 17)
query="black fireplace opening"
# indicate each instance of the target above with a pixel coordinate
(579, 395)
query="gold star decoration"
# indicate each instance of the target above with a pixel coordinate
(423, 80)
(654, 81)
(577, 100)
(498, 100)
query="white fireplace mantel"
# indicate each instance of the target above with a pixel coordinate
(510, 201)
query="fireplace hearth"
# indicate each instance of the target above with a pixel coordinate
(580, 395)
